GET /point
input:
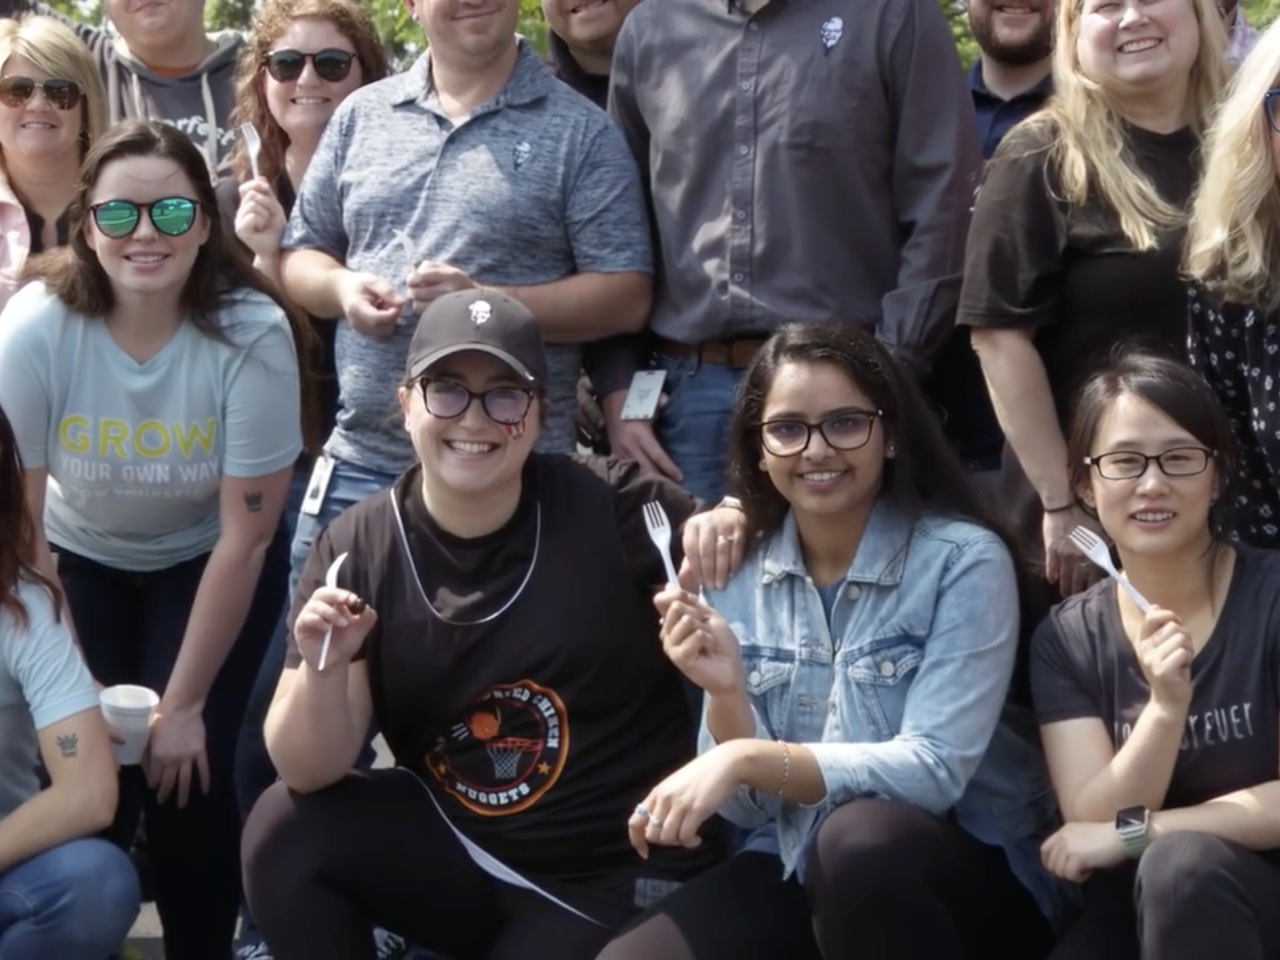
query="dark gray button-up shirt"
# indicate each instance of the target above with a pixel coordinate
(814, 161)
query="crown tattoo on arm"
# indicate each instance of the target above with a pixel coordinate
(69, 744)
(253, 501)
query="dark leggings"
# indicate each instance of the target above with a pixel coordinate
(1191, 896)
(131, 626)
(322, 869)
(884, 879)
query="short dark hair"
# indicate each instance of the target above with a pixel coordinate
(1175, 390)
(74, 274)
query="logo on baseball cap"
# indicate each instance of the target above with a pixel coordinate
(483, 320)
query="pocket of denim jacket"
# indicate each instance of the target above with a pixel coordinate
(886, 666)
(763, 675)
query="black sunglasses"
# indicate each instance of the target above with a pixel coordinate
(330, 64)
(60, 94)
(172, 216)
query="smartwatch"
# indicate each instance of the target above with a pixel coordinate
(1133, 824)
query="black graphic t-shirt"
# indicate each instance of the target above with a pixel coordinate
(520, 674)
(1083, 665)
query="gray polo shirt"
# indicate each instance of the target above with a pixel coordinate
(537, 184)
(816, 160)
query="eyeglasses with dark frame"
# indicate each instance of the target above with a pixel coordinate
(448, 400)
(1130, 465)
(58, 93)
(844, 430)
(172, 216)
(1269, 108)
(330, 64)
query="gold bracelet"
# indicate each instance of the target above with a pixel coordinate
(786, 768)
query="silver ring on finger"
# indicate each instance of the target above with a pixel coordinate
(725, 538)
(654, 820)
(643, 811)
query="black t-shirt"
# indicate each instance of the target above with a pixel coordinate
(1035, 261)
(546, 709)
(1083, 665)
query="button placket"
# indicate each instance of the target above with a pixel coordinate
(742, 176)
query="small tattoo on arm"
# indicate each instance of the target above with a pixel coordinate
(253, 501)
(69, 744)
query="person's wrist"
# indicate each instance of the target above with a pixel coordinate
(178, 707)
(1168, 709)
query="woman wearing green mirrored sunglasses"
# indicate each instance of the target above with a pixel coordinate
(153, 373)
(172, 216)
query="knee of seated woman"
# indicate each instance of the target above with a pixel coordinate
(93, 894)
(1178, 865)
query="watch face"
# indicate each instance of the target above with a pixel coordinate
(1131, 817)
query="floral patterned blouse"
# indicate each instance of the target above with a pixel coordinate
(1237, 350)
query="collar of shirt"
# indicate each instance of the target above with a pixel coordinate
(979, 86)
(882, 551)
(530, 80)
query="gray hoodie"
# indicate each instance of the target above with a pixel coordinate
(198, 103)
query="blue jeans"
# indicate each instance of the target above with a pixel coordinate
(694, 425)
(348, 485)
(74, 902)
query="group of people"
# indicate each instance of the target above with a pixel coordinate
(288, 430)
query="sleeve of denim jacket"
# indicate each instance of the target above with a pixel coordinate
(747, 808)
(955, 699)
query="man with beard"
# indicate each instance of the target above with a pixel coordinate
(1011, 78)
(1009, 81)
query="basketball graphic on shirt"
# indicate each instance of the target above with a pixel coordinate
(506, 750)
(484, 724)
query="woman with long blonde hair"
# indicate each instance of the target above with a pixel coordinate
(52, 109)
(1233, 260)
(1076, 236)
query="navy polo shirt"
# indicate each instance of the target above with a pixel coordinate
(996, 116)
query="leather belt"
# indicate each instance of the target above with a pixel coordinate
(727, 353)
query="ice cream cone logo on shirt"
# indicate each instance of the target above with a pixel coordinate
(481, 311)
(506, 750)
(831, 33)
(520, 153)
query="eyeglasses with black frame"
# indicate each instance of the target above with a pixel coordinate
(448, 400)
(843, 430)
(172, 216)
(58, 93)
(329, 64)
(1269, 108)
(1130, 465)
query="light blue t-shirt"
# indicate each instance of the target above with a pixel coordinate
(43, 681)
(536, 185)
(136, 452)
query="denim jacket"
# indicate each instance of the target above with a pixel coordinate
(903, 695)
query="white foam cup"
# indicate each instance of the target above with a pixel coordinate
(128, 710)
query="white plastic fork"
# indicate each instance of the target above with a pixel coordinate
(1093, 547)
(659, 526)
(253, 144)
(330, 580)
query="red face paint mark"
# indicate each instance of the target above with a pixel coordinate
(514, 431)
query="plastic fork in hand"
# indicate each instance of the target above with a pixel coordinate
(1093, 547)
(330, 580)
(659, 526)
(253, 146)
